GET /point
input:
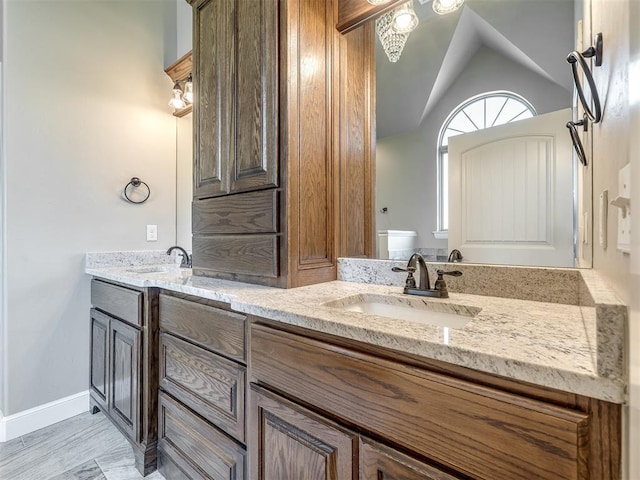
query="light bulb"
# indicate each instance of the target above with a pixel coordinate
(188, 90)
(176, 97)
(442, 7)
(405, 19)
(378, 2)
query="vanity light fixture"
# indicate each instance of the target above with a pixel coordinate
(405, 19)
(188, 89)
(442, 7)
(176, 97)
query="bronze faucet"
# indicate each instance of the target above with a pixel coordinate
(424, 287)
(186, 259)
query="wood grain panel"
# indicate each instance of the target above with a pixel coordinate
(378, 462)
(213, 85)
(256, 160)
(353, 13)
(237, 254)
(357, 142)
(315, 203)
(291, 442)
(124, 375)
(209, 327)
(200, 450)
(474, 430)
(99, 369)
(117, 301)
(253, 212)
(205, 382)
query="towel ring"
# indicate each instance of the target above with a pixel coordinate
(135, 183)
(576, 58)
(575, 138)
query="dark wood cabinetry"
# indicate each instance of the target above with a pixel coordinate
(489, 429)
(123, 378)
(202, 389)
(288, 441)
(273, 145)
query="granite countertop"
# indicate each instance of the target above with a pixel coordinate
(574, 348)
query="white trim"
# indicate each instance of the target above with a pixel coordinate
(21, 423)
(441, 234)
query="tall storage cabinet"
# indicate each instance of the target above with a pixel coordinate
(283, 176)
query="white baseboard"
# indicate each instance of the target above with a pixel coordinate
(21, 423)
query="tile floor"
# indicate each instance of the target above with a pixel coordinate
(85, 447)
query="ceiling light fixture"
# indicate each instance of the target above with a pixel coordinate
(442, 7)
(393, 29)
(405, 19)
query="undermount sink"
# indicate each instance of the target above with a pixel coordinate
(417, 310)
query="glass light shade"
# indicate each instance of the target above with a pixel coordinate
(188, 90)
(442, 7)
(392, 42)
(405, 19)
(176, 97)
(378, 2)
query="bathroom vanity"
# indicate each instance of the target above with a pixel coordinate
(264, 383)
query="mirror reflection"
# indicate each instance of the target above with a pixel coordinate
(472, 149)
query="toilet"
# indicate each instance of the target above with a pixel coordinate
(396, 244)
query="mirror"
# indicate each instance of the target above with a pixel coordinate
(508, 213)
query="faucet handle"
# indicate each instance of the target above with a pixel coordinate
(441, 285)
(454, 273)
(411, 281)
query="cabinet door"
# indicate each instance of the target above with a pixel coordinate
(254, 165)
(378, 462)
(288, 441)
(125, 358)
(99, 369)
(213, 68)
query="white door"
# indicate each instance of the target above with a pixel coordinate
(511, 193)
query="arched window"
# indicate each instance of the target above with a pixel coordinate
(477, 113)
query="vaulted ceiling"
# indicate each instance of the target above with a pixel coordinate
(535, 34)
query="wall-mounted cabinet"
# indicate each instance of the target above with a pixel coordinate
(283, 172)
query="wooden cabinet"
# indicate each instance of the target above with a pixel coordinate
(202, 389)
(379, 462)
(124, 398)
(489, 428)
(269, 79)
(291, 442)
(123, 378)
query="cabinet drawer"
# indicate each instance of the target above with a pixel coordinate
(218, 330)
(207, 383)
(237, 254)
(196, 447)
(118, 301)
(253, 212)
(478, 431)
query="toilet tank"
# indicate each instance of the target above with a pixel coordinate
(396, 244)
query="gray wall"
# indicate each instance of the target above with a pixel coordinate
(85, 110)
(406, 166)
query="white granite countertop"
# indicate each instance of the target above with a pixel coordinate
(549, 344)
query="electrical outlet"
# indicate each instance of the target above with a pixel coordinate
(152, 233)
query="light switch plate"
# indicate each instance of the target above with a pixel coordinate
(624, 215)
(152, 233)
(604, 207)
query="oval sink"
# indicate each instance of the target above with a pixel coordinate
(417, 310)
